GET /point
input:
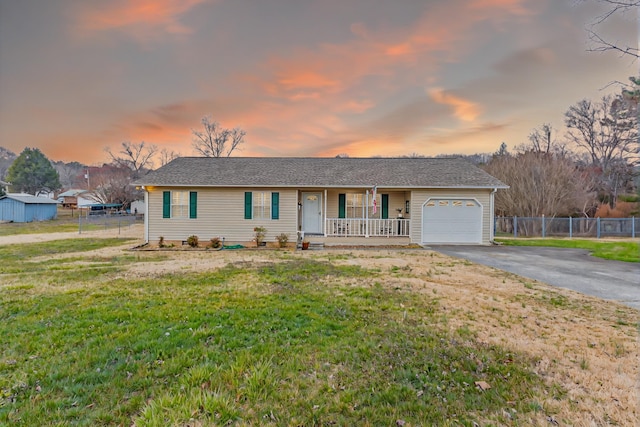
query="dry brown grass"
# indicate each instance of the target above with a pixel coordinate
(587, 349)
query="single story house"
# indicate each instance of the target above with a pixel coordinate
(74, 198)
(27, 208)
(333, 201)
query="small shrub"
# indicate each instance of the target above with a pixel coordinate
(215, 243)
(192, 241)
(260, 232)
(161, 243)
(282, 239)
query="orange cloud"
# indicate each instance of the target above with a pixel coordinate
(307, 102)
(463, 109)
(142, 19)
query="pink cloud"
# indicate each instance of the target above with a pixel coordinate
(312, 101)
(141, 19)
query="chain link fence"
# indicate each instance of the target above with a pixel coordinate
(88, 223)
(566, 227)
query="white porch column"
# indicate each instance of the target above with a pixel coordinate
(324, 219)
(366, 215)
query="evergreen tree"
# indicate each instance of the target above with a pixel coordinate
(33, 173)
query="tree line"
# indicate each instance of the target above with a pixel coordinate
(594, 163)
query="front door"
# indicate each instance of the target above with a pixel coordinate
(312, 213)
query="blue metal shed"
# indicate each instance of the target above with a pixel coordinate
(27, 208)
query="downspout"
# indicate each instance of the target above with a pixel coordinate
(492, 224)
(146, 215)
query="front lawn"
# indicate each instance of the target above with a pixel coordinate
(628, 251)
(109, 337)
(298, 342)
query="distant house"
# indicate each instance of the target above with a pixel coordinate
(27, 208)
(364, 201)
(74, 199)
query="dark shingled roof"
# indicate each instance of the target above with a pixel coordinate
(320, 172)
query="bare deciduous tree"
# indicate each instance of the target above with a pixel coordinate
(540, 184)
(216, 141)
(68, 172)
(166, 156)
(137, 157)
(543, 140)
(619, 8)
(608, 132)
(111, 184)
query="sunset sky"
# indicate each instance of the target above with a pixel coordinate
(301, 77)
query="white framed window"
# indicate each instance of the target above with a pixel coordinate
(261, 205)
(180, 204)
(356, 205)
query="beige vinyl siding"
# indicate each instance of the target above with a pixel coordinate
(221, 214)
(419, 197)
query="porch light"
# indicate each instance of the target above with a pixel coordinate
(299, 205)
(406, 206)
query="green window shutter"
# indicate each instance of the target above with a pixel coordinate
(342, 205)
(385, 206)
(248, 202)
(193, 204)
(275, 205)
(166, 204)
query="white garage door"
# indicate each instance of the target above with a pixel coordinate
(452, 221)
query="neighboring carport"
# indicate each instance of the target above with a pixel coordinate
(573, 269)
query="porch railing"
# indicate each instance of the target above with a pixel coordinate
(360, 227)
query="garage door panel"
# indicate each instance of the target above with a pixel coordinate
(452, 221)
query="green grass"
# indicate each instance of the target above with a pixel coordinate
(613, 250)
(65, 222)
(294, 342)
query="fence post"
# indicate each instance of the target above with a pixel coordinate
(515, 226)
(570, 227)
(598, 227)
(543, 227)
(633, 227)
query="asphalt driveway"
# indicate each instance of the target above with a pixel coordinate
(566, 268)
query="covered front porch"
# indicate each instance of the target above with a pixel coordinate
(354, 213)
(367, 227)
